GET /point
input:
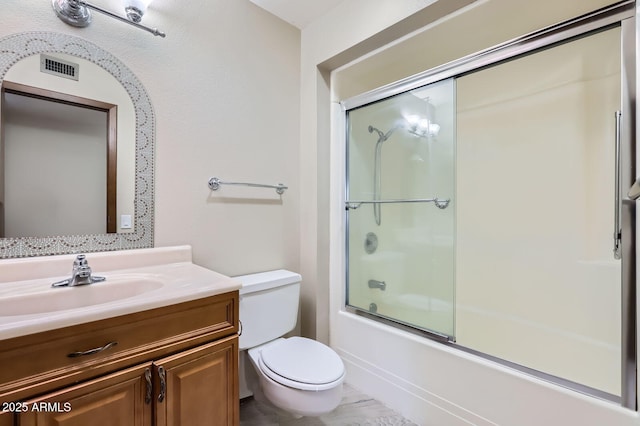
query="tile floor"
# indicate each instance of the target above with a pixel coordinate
(356, 409)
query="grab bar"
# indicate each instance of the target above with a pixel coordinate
(440, 203)
(214, 185)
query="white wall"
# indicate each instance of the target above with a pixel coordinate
(225, 89)
(429, 383)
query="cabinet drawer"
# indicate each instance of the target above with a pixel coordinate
(36, 361)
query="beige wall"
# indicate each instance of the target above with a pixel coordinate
(224, 87)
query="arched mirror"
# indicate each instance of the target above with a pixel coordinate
(76, 149)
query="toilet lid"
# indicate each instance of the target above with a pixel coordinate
(303, 361)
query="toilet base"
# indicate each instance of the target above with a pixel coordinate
(297, 402)
(260, 398)
(303, 403)
(247, 377)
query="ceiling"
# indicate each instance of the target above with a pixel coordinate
(298, 13)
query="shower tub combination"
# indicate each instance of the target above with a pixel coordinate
(480, 199)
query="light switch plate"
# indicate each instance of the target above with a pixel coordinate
(125, 221)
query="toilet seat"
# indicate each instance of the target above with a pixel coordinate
(302, 363)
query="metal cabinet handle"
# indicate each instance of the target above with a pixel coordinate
(147, 378)
(92, 351)
(163, 383)
(617, 231)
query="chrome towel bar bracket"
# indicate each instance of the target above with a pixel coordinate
(214, 185)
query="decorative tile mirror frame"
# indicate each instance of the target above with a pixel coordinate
(15, 47)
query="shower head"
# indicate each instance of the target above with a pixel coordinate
(373, 129)
(382, 136)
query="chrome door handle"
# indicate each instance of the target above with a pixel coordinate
(617, 231)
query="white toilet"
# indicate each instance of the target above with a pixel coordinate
(299, 375)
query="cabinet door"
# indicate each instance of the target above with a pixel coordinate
(114, 400)
(199, 387)
(6, 419)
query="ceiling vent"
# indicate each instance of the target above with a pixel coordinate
(56, 66)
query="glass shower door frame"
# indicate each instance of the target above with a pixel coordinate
(621, 14)
(441, 328)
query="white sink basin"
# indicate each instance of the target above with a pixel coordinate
(136, 280)
(55, 299)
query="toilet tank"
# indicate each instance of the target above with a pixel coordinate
(268, 306)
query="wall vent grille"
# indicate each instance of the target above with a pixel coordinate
(59, 67)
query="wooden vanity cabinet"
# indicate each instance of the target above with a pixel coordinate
(185, 376)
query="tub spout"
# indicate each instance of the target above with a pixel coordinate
(377, 284)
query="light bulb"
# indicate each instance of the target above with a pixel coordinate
(413, 120)
(136, 8)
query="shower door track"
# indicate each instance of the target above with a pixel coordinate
(621, 14)
(598, 20)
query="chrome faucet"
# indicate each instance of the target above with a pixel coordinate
(80, 275)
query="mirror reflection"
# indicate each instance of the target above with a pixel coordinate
(68, 137)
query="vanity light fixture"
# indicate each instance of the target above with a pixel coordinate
(423, 126)
(77, 13)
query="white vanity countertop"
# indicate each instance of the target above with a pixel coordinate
(136, 280)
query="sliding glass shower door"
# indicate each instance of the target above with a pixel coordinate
(489, 207)
(537, 280)
(401, 208)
